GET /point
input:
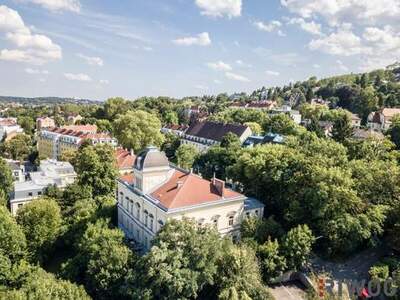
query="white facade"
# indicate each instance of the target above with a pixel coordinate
(141, 214)
(9, 125)
(50, 172)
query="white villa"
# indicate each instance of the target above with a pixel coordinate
(157, 192)
(50, 172)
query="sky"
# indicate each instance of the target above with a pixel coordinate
(97, 49)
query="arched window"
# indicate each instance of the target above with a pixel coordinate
(214, 220)
(146, 218)
(138, 211)
(151, 222)
(230, 220)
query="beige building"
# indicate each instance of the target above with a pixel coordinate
(382, 119)
(157, 192)
(55, 142)
(45, 122)
(203, 135)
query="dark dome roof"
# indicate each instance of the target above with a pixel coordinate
(151, 157)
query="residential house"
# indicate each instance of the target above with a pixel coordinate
(363, 134)
(382, 119)
(286, 109)
(258, 105)
(54, 142)
(206, 134)
(178, 130)
(125, 160)
(74, 119)
(50, 173)
(9, 127)
(157, 192)
(44, 122)
(355, 121)
(269, 138)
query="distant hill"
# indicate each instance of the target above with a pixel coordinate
(46, 100)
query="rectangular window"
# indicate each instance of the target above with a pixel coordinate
(30, 194)
(230, 223)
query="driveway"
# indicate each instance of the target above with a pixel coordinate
(288, 291)
(355, 268)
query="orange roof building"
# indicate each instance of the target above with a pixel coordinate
(54, 142)
(156, 192)
(125, 160)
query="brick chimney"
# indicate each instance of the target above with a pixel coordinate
(219, 186)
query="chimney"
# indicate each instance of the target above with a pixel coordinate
(179, 184)
(219, 186)
(132, 152)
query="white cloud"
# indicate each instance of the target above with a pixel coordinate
(104, 81)
(91, 60)
(201, 39)
(77, 77)
(219, 66)
(272, 73)
(338, 11)
(343, 42)
(32, 48)
(220, 8)
(236, 77)
(268, 27)
(310, 27)
(216, 81)
(58, 5)
(36, 71)
(316, 66)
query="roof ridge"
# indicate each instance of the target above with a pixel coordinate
(187, 175)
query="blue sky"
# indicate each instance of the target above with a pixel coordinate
(98, 49)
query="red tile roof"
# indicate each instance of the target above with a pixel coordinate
(186, 189)
(128, 178)
(8, 122)
(83, 128)
(125, 159)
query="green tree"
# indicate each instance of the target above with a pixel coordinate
(104, 125)
(282, 124)
(40, 221)
(342, 128)
(12, 238)
(19, 147)
(114, 107)
(6, 179)
(315, 127)
(186, 155)
(96, 168)
(182, 261)
(297, 246)
(138, 129)
(38, 284)
(171, 117)
(239, 273)
(394, 131)
(27, 123)
(230, 140)
(273, 263)
(102, 261)
(256, 128)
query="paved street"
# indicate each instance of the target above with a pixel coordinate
(289, 291)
